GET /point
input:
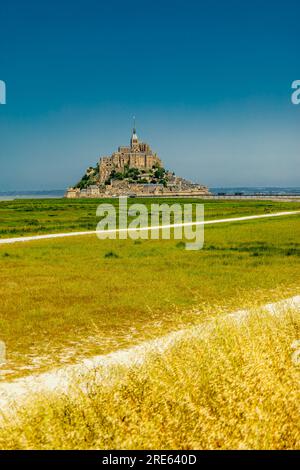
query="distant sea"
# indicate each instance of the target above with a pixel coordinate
(11, 195)
(258, 190)
(244, 190)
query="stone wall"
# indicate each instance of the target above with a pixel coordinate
(123, 188)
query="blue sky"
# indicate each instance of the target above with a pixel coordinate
(209, 83)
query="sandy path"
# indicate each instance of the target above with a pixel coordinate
(4, 241)
(69, 378)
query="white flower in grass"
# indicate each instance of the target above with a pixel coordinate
(2, 352)
(296, 354)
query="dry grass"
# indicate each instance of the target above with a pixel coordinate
(236, 388)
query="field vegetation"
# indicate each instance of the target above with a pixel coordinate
(62, 300)
(237, 387)
(40, 216)
(65, 299)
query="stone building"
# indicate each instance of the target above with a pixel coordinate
(138, 155)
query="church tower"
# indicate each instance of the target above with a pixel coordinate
(134, 141)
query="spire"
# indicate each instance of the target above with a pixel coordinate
(134, 138)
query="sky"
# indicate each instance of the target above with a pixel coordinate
(208, 81)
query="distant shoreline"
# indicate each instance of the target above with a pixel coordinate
(231, 192)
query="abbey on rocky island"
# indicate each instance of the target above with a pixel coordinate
(132, 171)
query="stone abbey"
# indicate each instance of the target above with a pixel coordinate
(132, 171)
(138, 155)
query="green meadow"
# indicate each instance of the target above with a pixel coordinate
(66, 299)
(40, 216)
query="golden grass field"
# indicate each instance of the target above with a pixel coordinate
(235, 388)
(66, 299)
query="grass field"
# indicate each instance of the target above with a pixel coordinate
(66, 299)
(236, 387)
(62, 300)
(39, 216)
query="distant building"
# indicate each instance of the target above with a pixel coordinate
(132, 170)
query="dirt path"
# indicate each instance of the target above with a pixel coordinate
(69, 379)
(4, 241)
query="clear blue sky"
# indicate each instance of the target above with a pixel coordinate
(209, 82)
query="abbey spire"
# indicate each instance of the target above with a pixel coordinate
(134, 141)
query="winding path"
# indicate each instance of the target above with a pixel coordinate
(4, 241)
